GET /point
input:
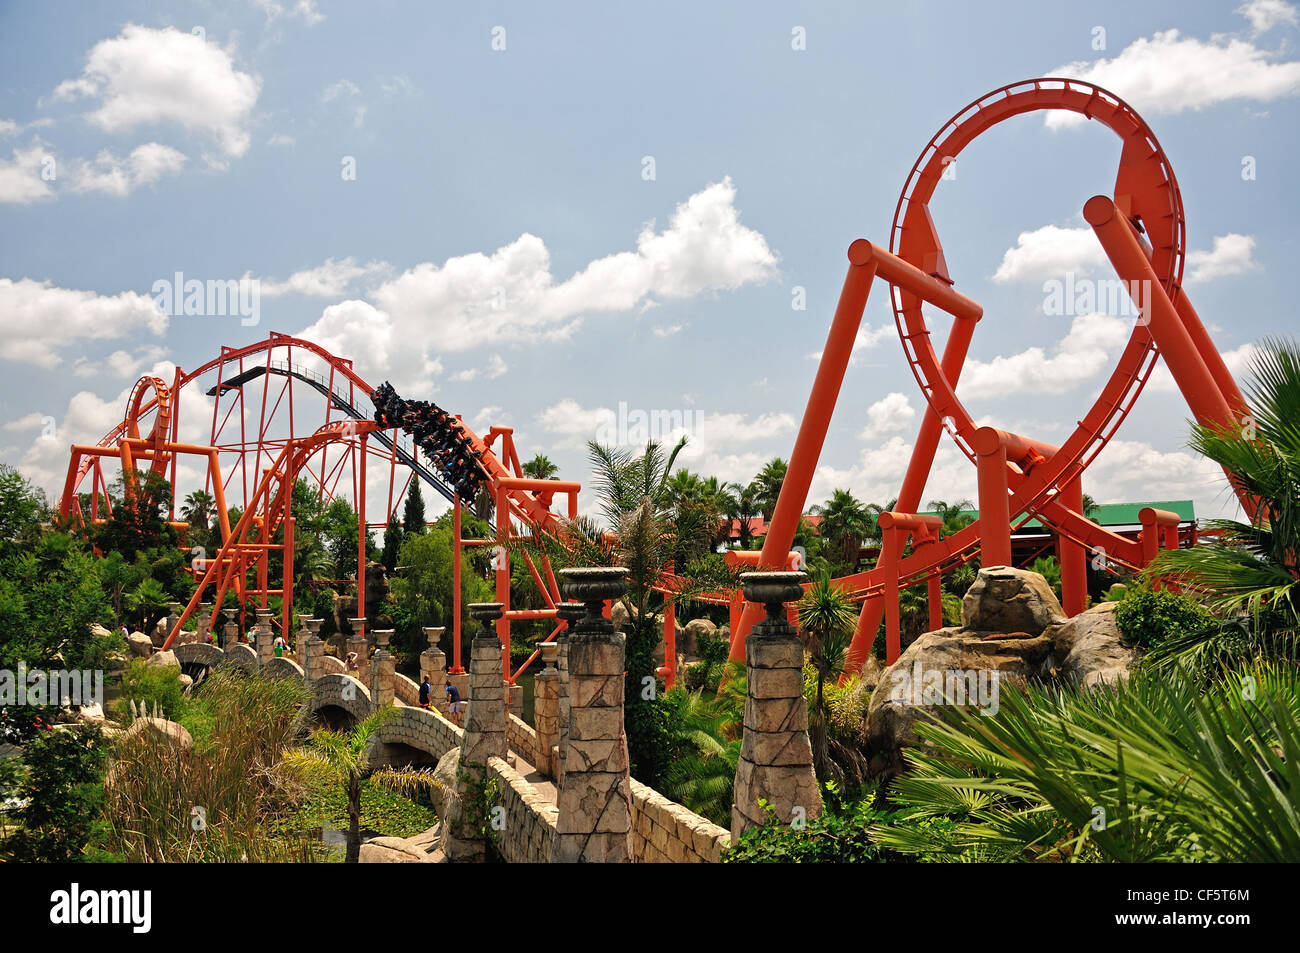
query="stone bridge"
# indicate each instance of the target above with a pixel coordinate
(527, 762)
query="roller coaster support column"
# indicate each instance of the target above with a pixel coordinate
(1198, 386)
(286, 591)
(361, 532)
(1073, 559)
(1157, 526)
(456, 667)
(966, 314)
(990, 446)
(812, 429)
(501, 561)
(895, 529)
(668, 671)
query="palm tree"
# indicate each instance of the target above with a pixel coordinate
(742, 506)
(703, 774)
(767, 486)
(311, 561)
(198, 507)
(845, 523)
(827, 618)
(1254, 567)
(343, 758)
(953, 515)
(540, 467)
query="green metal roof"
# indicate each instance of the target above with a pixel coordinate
(1120, 514)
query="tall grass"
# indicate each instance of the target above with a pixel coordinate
(156, 791)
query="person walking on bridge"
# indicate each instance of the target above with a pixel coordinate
(453, 699)
(425, 692)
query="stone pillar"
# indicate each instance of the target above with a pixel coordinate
(433, 662)
(357, 643)
(546, 711)
(230, 634)
(383, 670)
(265, 636)
(775, 755)
(485, 737)
(514, 698)
(595, 796)
(203, 621)
(312, 650)
(569, 613)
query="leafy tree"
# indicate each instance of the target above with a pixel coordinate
(424, 589)
(63, 791)
(392, 544)
(22, 508)
(343, 758)
(139, 520)
(707, 745)
(1049, 567)
(413, 515)
(146, 602)
(49, 597)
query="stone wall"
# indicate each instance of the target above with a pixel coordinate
(332, 666)
(529, 817)
(664, 831)
(521, 738)
(420, 728)
(406, 690)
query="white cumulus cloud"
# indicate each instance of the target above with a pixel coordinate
(144, 76)
(37, 318)
(511, 297)
(1170, 73)
(890, 414)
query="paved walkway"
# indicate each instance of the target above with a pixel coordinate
(542, 784)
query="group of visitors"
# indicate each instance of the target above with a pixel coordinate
(437, 433)
(453, 697)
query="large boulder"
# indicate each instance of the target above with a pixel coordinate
(141, 645)
(952, 666)
(1003, 599)
(166, 659)
(619, 614)
(161, 729)
(688, 637)
(445, 774)
(396, 850)
(1089, 647)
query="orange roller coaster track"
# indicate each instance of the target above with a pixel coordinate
(1142, 232)
(255, 458)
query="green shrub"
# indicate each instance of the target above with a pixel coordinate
(841, 835)
(63, 791)
(150, 684)
(1147, 618)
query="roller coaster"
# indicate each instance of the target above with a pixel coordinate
(256, 459)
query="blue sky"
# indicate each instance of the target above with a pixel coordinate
(502, 250)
